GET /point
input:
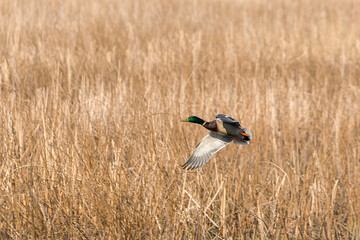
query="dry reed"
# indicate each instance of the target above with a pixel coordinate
(92, 93)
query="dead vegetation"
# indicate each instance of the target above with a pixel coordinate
(92, 93)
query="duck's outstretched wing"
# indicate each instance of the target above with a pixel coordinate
(209, 145)
(227, 119)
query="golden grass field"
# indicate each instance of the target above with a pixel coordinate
(92, 94)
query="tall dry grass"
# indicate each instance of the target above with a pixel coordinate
(92, 93)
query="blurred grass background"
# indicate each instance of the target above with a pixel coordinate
(92, 93)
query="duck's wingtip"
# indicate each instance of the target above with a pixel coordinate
(185, 166)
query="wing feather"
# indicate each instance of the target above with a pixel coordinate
(227, 119)
(209, 145)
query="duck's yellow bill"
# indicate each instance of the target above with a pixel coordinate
(185, 120)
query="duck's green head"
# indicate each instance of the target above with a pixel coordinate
(194, 119)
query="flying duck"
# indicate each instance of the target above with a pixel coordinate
(223, 130)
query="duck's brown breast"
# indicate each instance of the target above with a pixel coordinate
(212, 126)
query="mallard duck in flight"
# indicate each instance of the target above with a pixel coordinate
(224, 129)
